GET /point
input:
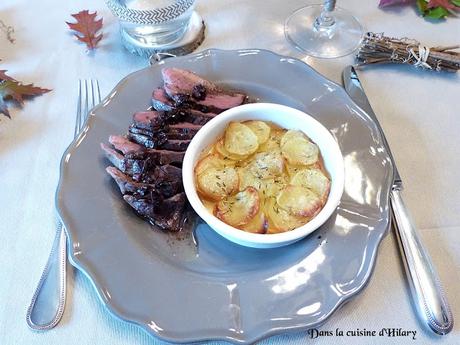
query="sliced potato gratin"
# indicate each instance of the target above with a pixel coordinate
(262, 179)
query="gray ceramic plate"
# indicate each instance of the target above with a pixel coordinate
(220, 290)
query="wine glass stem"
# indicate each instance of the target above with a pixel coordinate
(325, 20)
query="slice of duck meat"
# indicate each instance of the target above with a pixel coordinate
(116, 159)
(170, 134)
(180, 81)
(125, 183)
(216, 102)
(163, 174)
(156, 121)
(138, 163)
(152, 142)
(157, 175)
(161, 101)
(168, 172)
(155, 157)
(223, 101)
(173, 135)
(169, 188)
(199, 118)
(163, 188)
(133, 165)
(176, 145)
(198, 113)
(183, 130)
(146, 132)
(168, 216)
(185, 127)
(151, 120)
(123, 145)
(160, 141)
(183, 86)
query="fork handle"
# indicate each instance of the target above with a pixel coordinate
(424, 282)
(48, 302)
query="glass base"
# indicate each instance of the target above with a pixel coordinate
(189, 41)
(339, 39)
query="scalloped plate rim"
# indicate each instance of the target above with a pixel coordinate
(77, 263)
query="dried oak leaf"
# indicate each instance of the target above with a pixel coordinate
(87, 26)
(17, 91)
(3, 75)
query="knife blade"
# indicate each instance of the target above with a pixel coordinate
(355, 90)
(432, 305)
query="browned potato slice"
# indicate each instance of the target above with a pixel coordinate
(313, 179)
(273, 141)
(210, 205)
(267, 164)
(273, 186)
(280, 220)
(217, 183)
(299, 151)
(247, 179)
(258, 224)
(240, 139)
(292, 170)
(211, 161)
(292, 134)
(239, 209)
(299, 201)
(261, 129)
(209, 151)
(272, 229)
(220, 148)
(267, 187)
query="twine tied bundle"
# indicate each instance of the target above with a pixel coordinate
(377, 49)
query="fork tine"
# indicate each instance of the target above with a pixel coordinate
(84, 104)
(85, 114)
(78, 117)
(98, 92)
(89, 95)
(89, 100)
(93, 94)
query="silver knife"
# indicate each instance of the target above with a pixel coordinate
(427, 291)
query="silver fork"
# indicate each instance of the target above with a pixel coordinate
(48, 301)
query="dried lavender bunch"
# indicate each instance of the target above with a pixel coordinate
(377, 49)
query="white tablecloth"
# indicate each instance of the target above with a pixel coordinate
(419, 112)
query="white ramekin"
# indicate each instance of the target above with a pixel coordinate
(285, 117)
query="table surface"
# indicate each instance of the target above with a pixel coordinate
(418, 111)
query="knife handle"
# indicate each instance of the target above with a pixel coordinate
(424, 282)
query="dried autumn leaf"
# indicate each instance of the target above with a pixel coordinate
(13, 89)
(87, 26)
(4, 108)
(3, 75)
